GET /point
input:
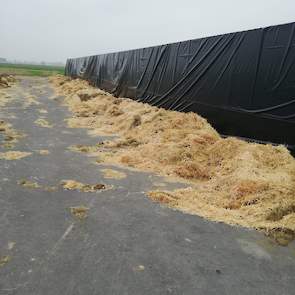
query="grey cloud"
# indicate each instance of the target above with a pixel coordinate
(53, 30)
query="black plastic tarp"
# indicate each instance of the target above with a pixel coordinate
(243, 83)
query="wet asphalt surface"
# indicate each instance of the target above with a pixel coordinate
(127, 244)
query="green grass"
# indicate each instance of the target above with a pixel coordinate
(31, 70)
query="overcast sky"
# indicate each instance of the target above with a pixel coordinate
(52, 30)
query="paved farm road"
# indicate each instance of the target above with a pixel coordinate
(128, 244)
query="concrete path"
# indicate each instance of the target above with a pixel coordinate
(127, 244)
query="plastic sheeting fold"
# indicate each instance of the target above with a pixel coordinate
(243, 82)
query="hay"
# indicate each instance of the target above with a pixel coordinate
(30, 100)
(13, 155)
(11, 135)
(231, 180)
(34, 185)
(79, 211)
(42, 111)
(84, 149)
(28, 183)
(87, 188)
(3, 82)
(43, 123)
(4, 260)
(50, 188)
(113, 174)
(6, 80)
(10, 245)
(283, 236)
(43, 152)
(7, 145)
(4, 99)
(159, 184)
(138, 268)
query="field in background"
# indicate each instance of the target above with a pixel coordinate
(31, 70)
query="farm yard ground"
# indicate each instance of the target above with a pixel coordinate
(72, 226)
